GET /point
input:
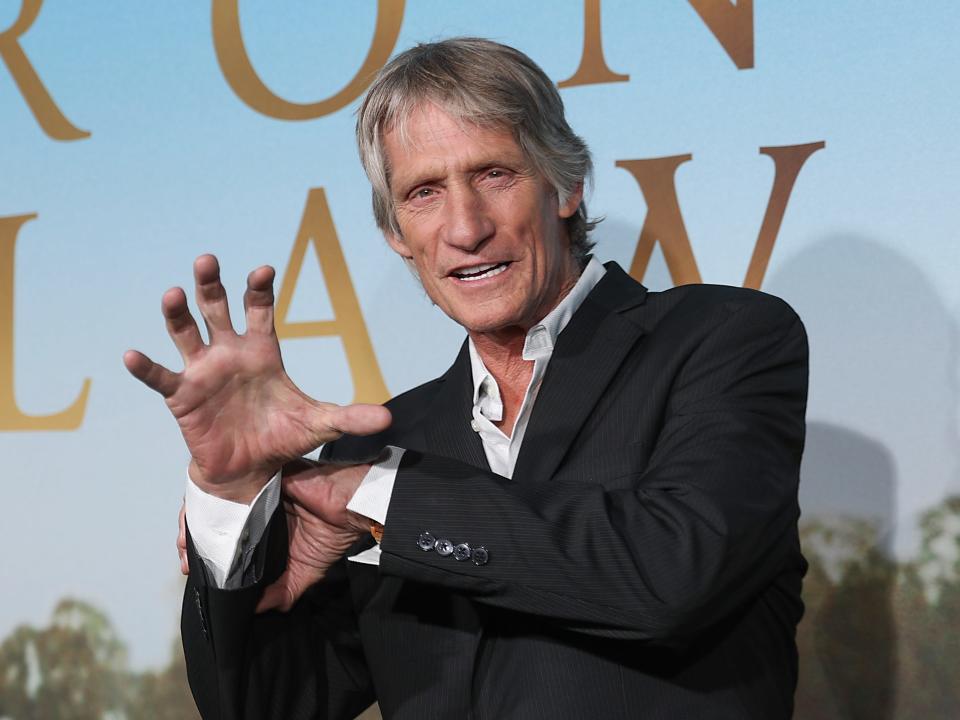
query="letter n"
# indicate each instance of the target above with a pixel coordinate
(593, 68)
(732, 25)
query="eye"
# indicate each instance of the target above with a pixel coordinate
(422, 193)
(497, 175)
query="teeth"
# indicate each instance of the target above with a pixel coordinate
(477, 269)
(481, 272)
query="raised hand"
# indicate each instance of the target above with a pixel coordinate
(240, 414)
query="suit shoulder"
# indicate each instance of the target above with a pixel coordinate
(711, 300)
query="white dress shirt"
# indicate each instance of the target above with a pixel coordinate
(225, 533)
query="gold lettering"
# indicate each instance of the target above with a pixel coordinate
(787, 162)
(243, 79)
(664, 221)
(11, 417)
(732, 26)
(593, 68)
(317, 227)
(53, 122)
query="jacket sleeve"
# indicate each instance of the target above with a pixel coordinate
(307, 663)
(705, 527)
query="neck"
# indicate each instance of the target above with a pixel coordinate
(502, 353)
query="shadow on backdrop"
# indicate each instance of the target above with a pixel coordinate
(883, 358)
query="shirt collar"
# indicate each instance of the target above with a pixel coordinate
(542, 337)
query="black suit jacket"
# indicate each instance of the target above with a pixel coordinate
(644, 560)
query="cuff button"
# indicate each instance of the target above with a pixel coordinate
(461, 552)
(426, 541)
(480, 556)
(444, 547)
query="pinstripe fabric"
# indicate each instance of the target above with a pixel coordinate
(644, 560)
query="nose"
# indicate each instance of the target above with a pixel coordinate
(468, 224)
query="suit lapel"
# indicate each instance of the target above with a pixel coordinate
(585, 359)
(447, 431)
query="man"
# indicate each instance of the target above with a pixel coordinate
(592, 513)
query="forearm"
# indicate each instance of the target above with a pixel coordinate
(655, 561)
(304, 663)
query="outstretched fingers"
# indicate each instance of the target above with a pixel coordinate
(258, 300)
(211, 296)
(180, 323)
(151, 374)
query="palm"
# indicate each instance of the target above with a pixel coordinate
(238, 410)
(240, 414)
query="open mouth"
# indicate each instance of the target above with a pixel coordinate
(480, 272)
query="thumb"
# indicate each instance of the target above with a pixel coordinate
(359, 419)
(278, 596)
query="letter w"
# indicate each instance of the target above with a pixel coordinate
(664, 221)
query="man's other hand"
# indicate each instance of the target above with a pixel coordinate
(182, 541)
(240, 414)
(320, 528)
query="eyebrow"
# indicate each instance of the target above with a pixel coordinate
(405, 185)
(433, 175)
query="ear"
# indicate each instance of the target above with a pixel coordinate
(572, 204)
(397, 244)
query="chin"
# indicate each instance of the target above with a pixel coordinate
(486, 322)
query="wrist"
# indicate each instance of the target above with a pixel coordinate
(241, 489)
(359, 524)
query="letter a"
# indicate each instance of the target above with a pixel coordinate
(317, 227)
(11, 418)
(240, 74)
(53, 122)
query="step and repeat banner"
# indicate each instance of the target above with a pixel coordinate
(807, 149)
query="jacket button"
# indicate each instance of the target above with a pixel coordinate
(444, 547)
(461, 552)
(480, 556)
(425, 541)
(199, 604)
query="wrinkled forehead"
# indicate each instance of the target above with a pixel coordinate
(417, 120)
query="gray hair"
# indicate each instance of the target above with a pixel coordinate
(486, 84)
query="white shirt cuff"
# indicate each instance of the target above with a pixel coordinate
(372, 498)
(224, 531)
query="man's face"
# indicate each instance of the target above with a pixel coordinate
(483, 228)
